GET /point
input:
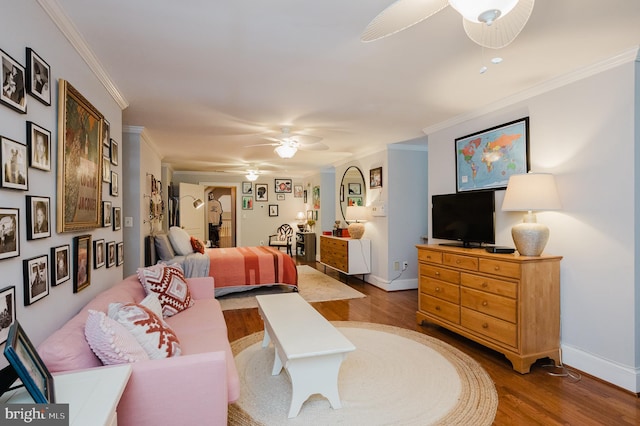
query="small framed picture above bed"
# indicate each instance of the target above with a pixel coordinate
(273, 210)
(262, 192)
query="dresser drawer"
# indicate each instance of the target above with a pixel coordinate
(429, 256)
(491, 285)
(499, 267)
(490, 304)
(440, 273)
(459, 261)
(440, 289)
(440, 308)
(493, 328)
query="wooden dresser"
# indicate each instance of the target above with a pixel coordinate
(507, 302)
(347, 255)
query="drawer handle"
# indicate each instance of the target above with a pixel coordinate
(485, 284)
(437, 274)
(485, 303)
(437, 308)
(428, 257)
(458, 261)
(485, 325)
(437, 289)
(496, 268)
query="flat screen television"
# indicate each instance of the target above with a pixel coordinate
(466, 217)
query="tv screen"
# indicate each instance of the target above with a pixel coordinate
(468, 217)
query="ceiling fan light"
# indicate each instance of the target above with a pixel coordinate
(286, 151)
(485, 11)
(252, 176)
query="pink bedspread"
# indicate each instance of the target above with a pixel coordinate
(251, 266)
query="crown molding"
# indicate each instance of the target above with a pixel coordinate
(144, 136)
(629, 55)
(70, 31)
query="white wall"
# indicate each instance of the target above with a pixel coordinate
(583, 133)
(25, 24)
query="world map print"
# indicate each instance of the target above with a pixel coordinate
(486, 160)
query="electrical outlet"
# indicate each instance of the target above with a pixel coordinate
(261, 242)
(405, 265)
(396, 266)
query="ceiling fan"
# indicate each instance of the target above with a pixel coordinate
(287, 143)
(489, 23)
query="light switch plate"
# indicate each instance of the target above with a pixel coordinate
(378, 208)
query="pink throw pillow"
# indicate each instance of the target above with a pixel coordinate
(153, 334)
(169, 284)
(110, 341)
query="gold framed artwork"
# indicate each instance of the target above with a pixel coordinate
(80, 147)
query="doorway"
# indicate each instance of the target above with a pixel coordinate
(226, 196)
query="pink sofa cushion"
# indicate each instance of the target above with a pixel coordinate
(111, 342)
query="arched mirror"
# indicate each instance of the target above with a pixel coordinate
(352, 189)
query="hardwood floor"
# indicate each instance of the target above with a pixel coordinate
(536, 398)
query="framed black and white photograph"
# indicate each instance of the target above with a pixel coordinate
(81, 264)
(14, 91)
(39, 81)
(355, 189)
(60, 271)
(120, 253)
(114, 152)
(273, 210)
(111, 254)
(304, 196)
(9, 233)
(38, 217)
(36, 278)
(39, 140)
(7, 311)
(106, 170)
(28, 365)
(375, 178)
(106, 213)
(117, 220)
(114, 184)
(98, 254)
(262, 192)
(106, 137)
(297, 191)
(13, 156)
(283, 186)
(247, 188)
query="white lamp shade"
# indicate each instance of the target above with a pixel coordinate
(286, 151)
(300, 216)
(473, 9)
(356, 214)
(531, 191)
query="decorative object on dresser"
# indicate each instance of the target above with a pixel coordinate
(356, 215)
(347, 255)
(529, 192)
(508, 303)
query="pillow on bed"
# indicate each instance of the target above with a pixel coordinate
(197, 245)
(163, 247)
(180, 240)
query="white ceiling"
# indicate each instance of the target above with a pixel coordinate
(206, 78)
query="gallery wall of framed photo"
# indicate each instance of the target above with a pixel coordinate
(53, 250)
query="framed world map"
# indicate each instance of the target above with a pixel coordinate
(486, 159)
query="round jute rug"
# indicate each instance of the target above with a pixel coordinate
(394, 377)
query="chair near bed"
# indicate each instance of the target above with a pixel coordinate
(282, 238)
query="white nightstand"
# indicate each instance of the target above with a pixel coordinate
(92, 394)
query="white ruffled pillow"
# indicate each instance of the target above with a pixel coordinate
(180, 240)
(150, 330)
(110, 341)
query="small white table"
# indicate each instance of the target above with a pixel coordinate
(306, 344)
(92, 394)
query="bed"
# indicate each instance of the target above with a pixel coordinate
(234, 269)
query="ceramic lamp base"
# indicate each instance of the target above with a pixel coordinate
(356, 230)
(529, 236)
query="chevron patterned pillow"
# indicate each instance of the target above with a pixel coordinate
(169, 284)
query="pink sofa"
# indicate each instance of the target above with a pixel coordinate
(193, 388)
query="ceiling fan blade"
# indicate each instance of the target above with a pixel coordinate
(264, 144)
(504, 30)
(399, 16)
(317, 146)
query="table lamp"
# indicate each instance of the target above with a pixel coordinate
(529, 192)
(301, 221)
(356, 215)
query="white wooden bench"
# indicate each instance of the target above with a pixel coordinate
(306, 344)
